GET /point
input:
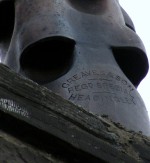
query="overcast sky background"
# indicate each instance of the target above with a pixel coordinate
(139, 11)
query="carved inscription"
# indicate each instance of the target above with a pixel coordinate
(102, 99)
(100, 87)
(12, 106)
(103, 76)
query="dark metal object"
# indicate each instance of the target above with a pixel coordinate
(85, 51)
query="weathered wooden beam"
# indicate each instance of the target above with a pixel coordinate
(25, 103)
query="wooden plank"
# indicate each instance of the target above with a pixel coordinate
(94, 135)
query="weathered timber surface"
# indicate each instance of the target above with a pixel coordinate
(37, 125)
(14, 151)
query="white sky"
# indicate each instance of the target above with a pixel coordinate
(139, 11)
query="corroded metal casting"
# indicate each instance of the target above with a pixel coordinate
(86, 51)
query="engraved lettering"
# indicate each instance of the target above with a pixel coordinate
(111, 86)
(70, 80)
(84, 86)
(73, 97)
(118, 78)
(96, 97)
(77, 88)
(70, 90)
(124, 82)
(65, 85)
(85, 74)
(105, 85)
(88, 98)
(90, 85)
(99, 85)
(118, 89)
(76, 77)
(94, 72)
(81, 98)
(108, 98)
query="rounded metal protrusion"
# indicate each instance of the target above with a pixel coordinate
(92, 7)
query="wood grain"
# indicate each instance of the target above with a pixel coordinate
(81, 134)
